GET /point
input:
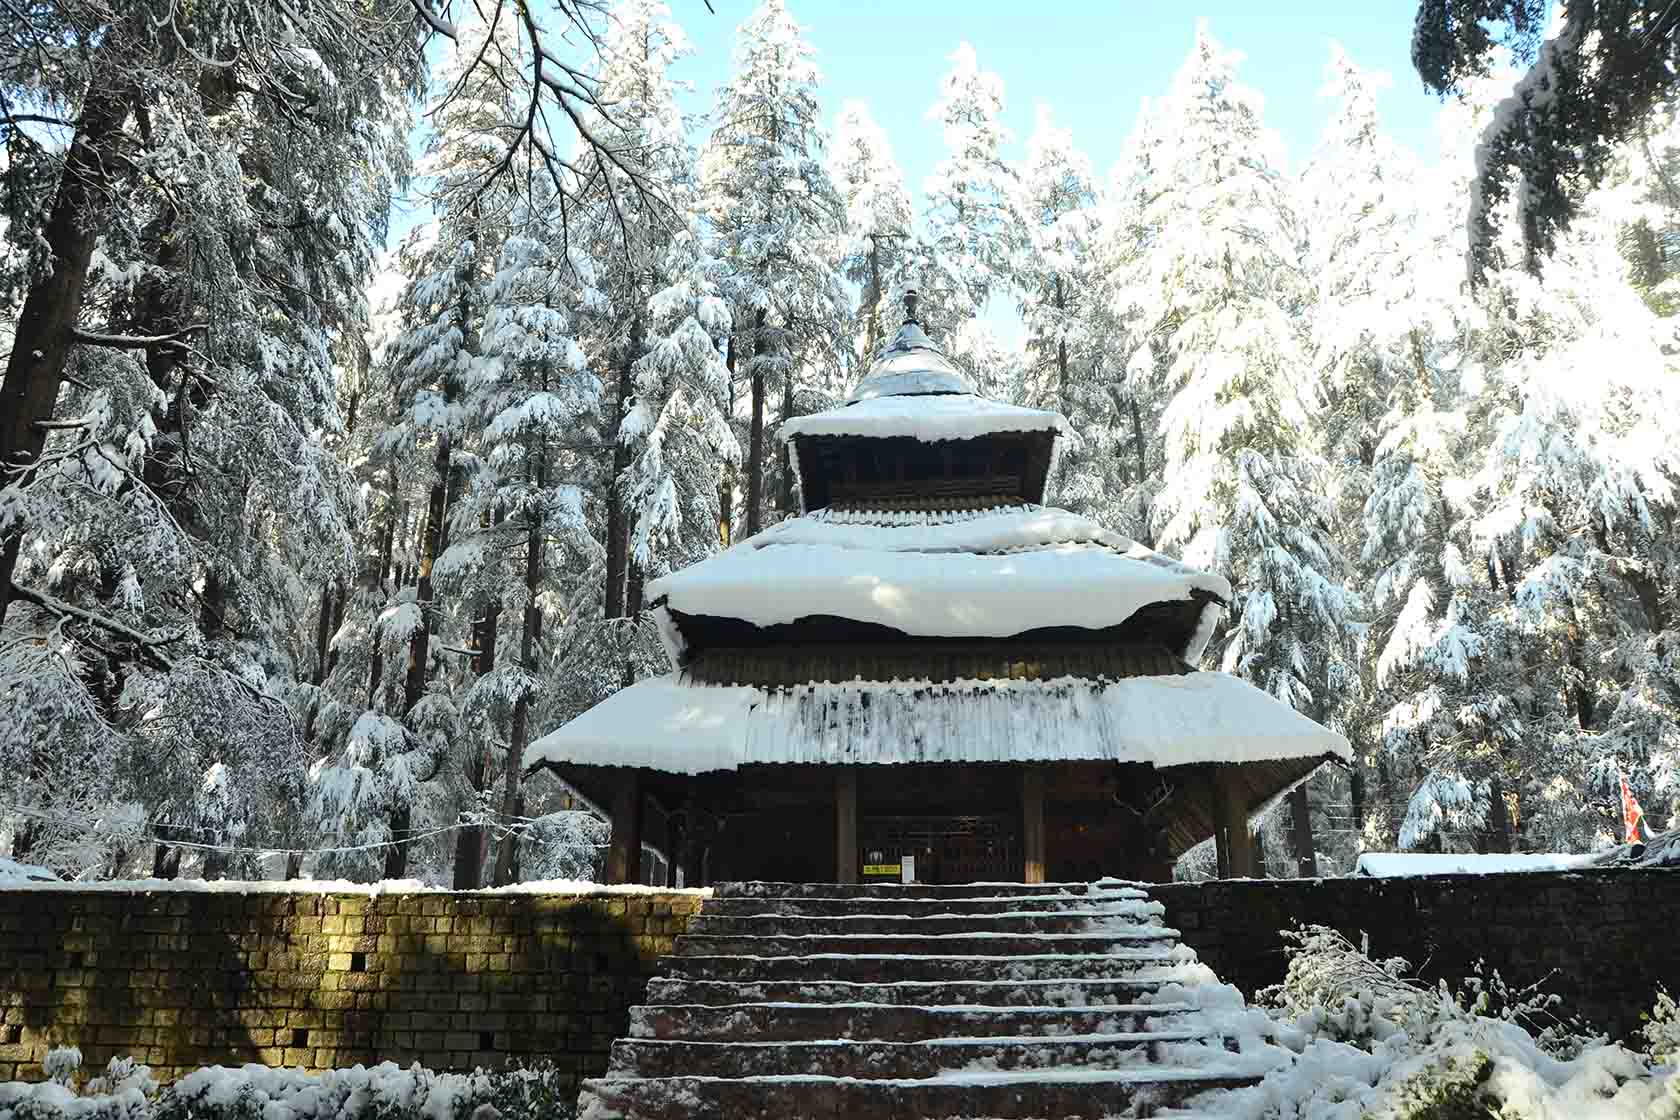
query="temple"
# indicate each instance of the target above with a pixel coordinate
(930, 663)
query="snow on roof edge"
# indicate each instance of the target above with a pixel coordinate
(932, 418)
(668, 724)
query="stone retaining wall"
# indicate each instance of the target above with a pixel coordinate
(180, 979)
(1603, 939)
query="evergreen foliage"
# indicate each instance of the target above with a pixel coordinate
(313, 541)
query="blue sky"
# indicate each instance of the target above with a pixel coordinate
(1092, 61)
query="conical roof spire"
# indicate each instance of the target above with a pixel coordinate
(911, 365)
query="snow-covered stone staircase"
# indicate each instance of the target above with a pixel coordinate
(796, 1001)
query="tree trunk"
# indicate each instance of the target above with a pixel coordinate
(1061, 355)
(1497, 838)
(872, 300)
(212, 608)
(783, 453)
(726, 485)
(755, 437)
(1306, 857)
(342, 592)
(1356, 792)
(1142, 468)
(469, 839)
(43, 333)
(618, 520)
(323, 631)
(507, 855)
(433, 541)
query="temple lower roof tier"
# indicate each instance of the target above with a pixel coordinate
(676, 724)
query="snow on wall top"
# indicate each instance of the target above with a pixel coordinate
(666, 723)
(927, 418)
(987, 575)
(1392, 865)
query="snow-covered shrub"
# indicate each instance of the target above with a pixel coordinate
(1333, 989)
(1366, 1040)
(123, 1092)
(1450, 1091)
(121, 1075)
(1662, 1028)
(384, 1092)
(61, 1064)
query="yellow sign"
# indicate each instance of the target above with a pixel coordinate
(881, 869)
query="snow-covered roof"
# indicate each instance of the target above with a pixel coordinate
(671, 724)
(929, 418)
(960, 574)
(909, 365)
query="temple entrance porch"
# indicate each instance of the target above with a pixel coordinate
(963, 822)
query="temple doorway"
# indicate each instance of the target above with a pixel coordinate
(946, 849)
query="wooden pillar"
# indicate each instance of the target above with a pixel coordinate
(846, 825)
(1306, 856)
(1032, 823)
(1230, 808)
(624, 850)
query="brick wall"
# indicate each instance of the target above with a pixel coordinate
(1603, 940)
(180, 979)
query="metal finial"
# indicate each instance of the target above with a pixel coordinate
(911, 299)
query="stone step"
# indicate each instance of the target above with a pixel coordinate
(1031, 1095)
(1057, 992)
(920, 907)
(646, 1057)
(888, 968)
(1118, 917)
(778, 1022)
(760, 889)
(939, 945)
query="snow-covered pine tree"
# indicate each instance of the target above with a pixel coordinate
(879, 233)
(1055, 274)
(1216, 293)
(192, 324)
(474, 143)
(531, 397)
(775, 213)
(974, 223)
(1387, 331)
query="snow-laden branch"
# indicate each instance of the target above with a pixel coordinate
(148, 644)
(138, 341)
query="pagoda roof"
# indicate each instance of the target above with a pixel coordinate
(676, 724)
(911, 365)
(956, 574)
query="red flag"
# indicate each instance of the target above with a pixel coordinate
(1632, 815)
